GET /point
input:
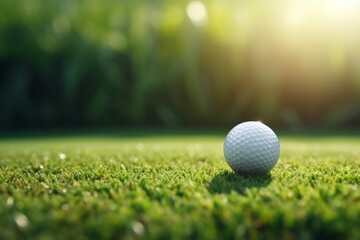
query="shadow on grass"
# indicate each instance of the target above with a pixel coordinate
(225, 182)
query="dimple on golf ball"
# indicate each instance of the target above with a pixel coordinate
(251, 147)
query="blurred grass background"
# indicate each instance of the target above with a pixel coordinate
(175, 63)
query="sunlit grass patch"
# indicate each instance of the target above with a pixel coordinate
(176, 186)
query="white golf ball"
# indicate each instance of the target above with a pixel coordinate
(251, 147)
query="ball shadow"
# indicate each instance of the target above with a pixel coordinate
(225, 182)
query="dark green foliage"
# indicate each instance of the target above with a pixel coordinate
(86, 63)
(176, 187)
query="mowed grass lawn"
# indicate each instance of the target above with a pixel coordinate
(175, 187)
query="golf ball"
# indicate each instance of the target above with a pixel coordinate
(251, 147)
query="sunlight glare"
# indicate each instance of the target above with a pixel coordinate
(341, 6)
(295, 17)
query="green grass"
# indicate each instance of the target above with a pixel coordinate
(173, 186)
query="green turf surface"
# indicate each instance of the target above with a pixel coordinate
(170, 186)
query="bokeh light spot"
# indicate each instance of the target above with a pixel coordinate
(197, 13)
(21, 220)
(62, 156)
(117, 40)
